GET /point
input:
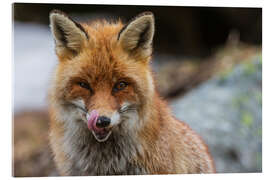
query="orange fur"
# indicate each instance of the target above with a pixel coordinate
(163, 145)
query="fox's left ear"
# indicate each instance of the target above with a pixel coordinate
(69, 35)
(137, 36)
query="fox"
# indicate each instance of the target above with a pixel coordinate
(106, 115)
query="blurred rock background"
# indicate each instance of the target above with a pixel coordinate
(207, 64)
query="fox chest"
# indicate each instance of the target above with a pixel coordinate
(102, 159)
(112, 167)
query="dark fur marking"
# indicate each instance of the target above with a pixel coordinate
(143, 37)
(56, 11)
(63, 35)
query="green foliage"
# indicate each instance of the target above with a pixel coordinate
(250, 68)
(258, 97)
(239, 101)
(224, 75)
(259, 159)
(247, 119)
(259, 132)
(254, 65)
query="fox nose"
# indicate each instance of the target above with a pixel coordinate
(103, 122)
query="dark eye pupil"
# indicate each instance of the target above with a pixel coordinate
(120, 86)
(84, 85)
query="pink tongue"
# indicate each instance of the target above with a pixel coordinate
(92, 120)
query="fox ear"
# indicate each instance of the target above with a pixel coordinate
(137, 35)
(68, 35)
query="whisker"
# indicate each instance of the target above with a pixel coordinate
(128, 108)
(81, 108)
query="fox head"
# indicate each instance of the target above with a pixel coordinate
(103, 79)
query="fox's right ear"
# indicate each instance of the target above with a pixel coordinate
(69, 36)
(136, 37)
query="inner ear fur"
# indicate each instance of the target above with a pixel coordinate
(136, 36)
(69, 35)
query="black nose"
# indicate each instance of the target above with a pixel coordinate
(103, 122)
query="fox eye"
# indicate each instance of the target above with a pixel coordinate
(84, 85)
(120, 86)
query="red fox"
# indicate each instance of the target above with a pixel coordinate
(106, 115)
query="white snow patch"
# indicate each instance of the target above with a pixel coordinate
(33, 64)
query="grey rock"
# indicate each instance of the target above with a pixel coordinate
(227, 112)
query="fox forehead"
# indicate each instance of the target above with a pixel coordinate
(97, 67)
(104, 67)
(102, 45)
(103, 32)
(101, 54)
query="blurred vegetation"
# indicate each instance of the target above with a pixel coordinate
(187, 73)
(185, 31)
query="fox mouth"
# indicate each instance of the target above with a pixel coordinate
(101, 135)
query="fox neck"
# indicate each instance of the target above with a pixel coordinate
(113, 156)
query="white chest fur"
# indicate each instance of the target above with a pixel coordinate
(86, 156)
